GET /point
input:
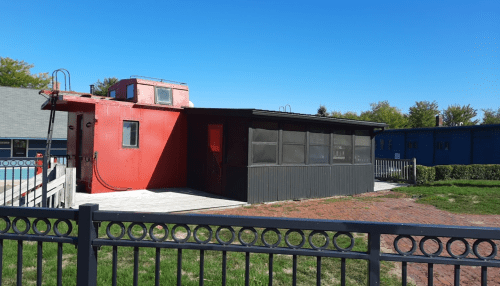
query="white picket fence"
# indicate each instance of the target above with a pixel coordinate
(61, 189)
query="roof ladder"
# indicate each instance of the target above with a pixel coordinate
(53, 101)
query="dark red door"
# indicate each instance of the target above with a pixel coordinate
(214, 160)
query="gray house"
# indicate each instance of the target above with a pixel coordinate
(23, 125)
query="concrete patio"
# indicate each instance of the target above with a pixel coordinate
(172, 200)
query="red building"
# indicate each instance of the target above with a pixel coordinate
(130, 139)
(142, 136)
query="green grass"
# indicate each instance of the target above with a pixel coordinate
(306, 274)
(458, 196)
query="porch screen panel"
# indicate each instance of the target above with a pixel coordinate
(264, 146)
(294, 143)
(363, 143)
(319, 148)
(342, 147)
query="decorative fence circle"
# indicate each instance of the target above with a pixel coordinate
(437, 240)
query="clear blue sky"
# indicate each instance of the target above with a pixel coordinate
(265, 54)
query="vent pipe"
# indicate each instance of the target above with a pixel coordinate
(92, 89)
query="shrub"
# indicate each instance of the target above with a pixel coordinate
(443, 172)
(494, 172)
(461, 172)
(479, 172)
(425, 175)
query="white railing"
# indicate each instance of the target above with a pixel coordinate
(396, 169)
(27, 192)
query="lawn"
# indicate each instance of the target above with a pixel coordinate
(458, 196)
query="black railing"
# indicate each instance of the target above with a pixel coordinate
(247, 235)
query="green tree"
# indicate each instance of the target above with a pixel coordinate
(384, 112)
(456, 115)
(348, 115)
(491, 116)
(17, 74)
(101, 88)
(322, 111)
(423, 114)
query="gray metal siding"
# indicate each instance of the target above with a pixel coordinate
(277, 183)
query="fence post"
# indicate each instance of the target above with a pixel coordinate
(87, 254)
(374, 258)
(414, 171)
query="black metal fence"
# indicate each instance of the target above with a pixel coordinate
(90, 229)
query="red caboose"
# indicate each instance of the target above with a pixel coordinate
(129, 139)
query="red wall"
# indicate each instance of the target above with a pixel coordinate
(160, 160)
(144, 91)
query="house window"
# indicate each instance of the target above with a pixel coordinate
(319, 148)
(264, 146)
(130, 91)
(112, 94)
(19, 149)
(342, 147)
(131, 134)
(163, 95)
(294, 143)
(362, 146)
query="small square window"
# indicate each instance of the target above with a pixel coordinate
(112, 94)
(130, 134)
(163, 95)
(130, 91)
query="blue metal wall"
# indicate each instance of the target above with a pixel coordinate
(442, 145)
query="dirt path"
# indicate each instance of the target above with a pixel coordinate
(387, 206)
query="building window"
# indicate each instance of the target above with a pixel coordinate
(342, 147)
(294, 143)
(264, 146)
(163, 95)
(130, 91)
(130, 134)
(112, 94)
(362, 146)
(19, 149)
(319, 148)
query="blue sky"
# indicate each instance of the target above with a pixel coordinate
(265, 54)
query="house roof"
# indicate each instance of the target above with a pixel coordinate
(21, 116)
(268, 114)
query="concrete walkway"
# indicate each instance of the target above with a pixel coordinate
(382, 186)
(172, 200)
(160, 200)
